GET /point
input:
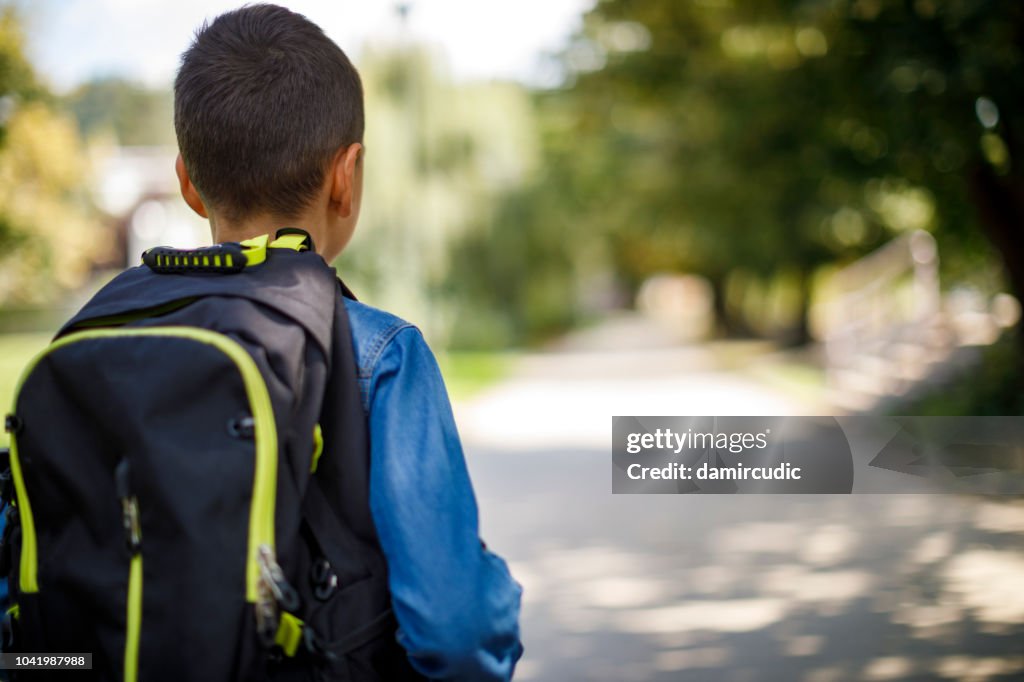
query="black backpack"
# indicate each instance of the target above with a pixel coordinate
(190, 477)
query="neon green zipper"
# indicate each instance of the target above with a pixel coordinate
(134, 619)
(27, 579)
(261, 515)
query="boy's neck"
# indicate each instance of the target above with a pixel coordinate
(257, 226)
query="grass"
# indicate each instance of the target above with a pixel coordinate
(801, 380)
(466, 373)
(15, 352)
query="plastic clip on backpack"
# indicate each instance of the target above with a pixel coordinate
(162, 450)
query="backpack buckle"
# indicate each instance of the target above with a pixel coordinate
(315, 645)
(13, 424)
(323, 579)
(293, 238)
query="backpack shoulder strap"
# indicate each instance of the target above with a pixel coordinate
(341, 574)
(343, 472)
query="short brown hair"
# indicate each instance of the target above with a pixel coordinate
(262, 102)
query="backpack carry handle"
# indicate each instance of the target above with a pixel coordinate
(226, 257)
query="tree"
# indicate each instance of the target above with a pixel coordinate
(48, 230)
(774, 136)
(136, 115)
(943, 82)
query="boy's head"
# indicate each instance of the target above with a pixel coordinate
(269, 117)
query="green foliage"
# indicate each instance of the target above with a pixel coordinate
(437, 153)
(769, 137)
(54, 235)
(515, 273)
(764, 124)
(17, 81)
(990, 389)
(16, 76)
(134, 114)
(48, 230)
(468, 373)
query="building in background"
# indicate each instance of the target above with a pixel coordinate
(138, 192)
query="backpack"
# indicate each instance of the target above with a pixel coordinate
(190, 468)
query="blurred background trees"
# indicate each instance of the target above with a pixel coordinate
(48, 231)
(130, 113)
(756, 143)
(760, 145)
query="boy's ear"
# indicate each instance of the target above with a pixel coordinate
(188, 190)
(343, 179)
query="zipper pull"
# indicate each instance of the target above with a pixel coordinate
(273, 578)
(129, 506)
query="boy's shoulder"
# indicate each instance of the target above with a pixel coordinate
(373, 330)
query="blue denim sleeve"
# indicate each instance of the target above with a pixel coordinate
(456, 603)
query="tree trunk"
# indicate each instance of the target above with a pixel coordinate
(727, 324)
(1000, 205)
(799, 334)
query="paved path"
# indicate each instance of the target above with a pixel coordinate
(748, 588)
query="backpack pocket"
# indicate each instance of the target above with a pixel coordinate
(346, 601)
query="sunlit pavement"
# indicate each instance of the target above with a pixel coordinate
(815, 588)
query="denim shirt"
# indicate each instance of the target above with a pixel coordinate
(456, 603)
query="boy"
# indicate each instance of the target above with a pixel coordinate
(269, 120)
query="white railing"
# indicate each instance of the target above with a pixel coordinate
(883, 323)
